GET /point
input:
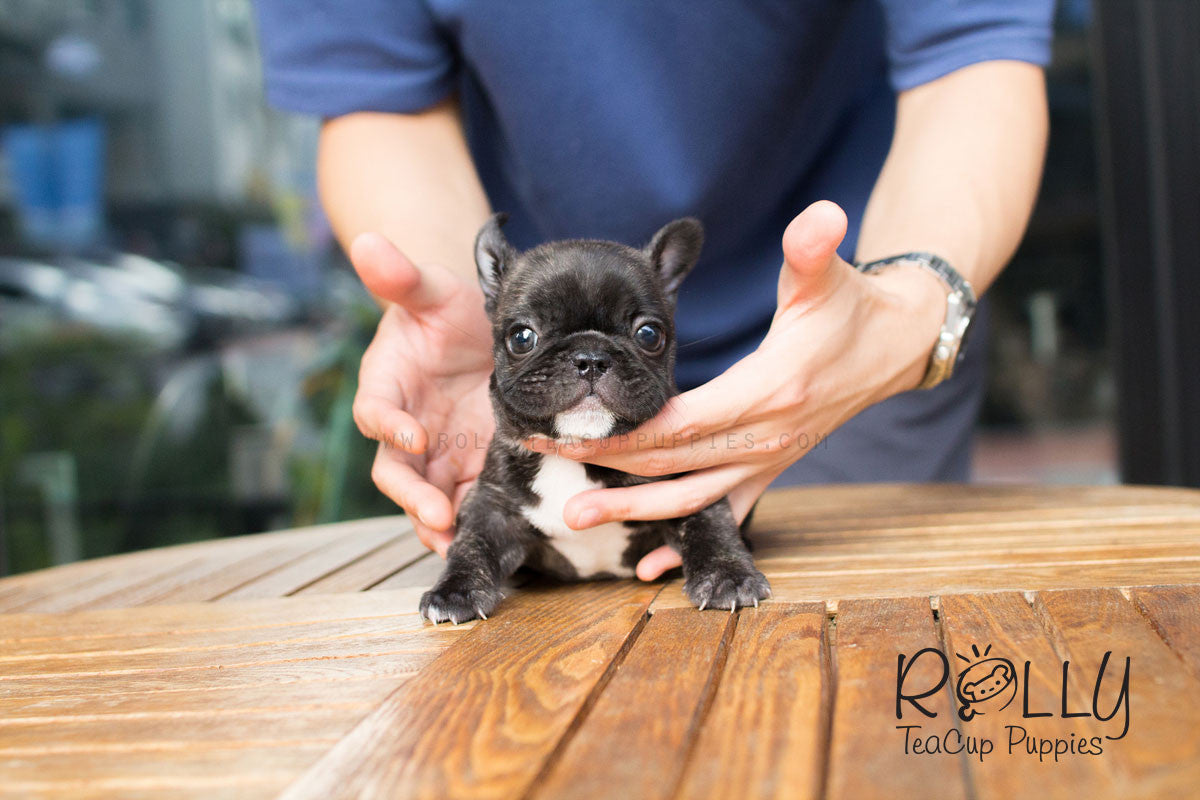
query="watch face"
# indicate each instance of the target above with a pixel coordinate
(958, 323)
(962, 339)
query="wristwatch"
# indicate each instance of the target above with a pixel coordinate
(960, 309)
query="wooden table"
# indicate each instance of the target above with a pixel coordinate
(294, 663)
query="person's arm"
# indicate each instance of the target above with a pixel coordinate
(409, 177)
(960, 181)
(963, 170)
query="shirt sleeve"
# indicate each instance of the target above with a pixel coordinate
(334, 57)
(927, 39)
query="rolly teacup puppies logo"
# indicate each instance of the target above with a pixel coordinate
(989, 684)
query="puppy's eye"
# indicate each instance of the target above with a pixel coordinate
(522, 341)
(650, 337)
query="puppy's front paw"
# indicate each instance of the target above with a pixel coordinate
(458, 604)
(726, 586)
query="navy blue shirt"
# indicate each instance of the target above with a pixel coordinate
(601, 118)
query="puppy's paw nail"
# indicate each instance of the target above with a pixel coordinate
(727, 586)
(455, 604)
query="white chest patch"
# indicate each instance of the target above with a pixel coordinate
(590, 551)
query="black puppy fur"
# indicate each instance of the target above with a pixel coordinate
(584, 345)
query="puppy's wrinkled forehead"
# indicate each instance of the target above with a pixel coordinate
(585, 285)
(572, 276)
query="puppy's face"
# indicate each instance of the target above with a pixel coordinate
(584, 340)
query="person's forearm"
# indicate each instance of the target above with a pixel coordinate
(963, 170)
(407, 176)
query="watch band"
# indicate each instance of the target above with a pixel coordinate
(960, 308)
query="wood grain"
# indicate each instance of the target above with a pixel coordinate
(419, 574)
(770, 707)
(314, 675)
(939, 579)
(1174, 613)
(312, 567)
(867, 755)
(1160, 755)
(1005, 626)
(638, 733)
(372, 569)
(483, 718)
(198, 698)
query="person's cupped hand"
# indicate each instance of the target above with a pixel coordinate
(422, 387)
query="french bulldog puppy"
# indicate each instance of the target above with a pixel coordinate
(584, 347)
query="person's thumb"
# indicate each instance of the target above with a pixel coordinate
(811, 265)
(390, 275)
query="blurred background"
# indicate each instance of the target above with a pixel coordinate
(180, 335)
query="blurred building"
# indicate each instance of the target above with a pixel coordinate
(177, 86)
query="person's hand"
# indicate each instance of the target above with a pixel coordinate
(839, 342)
(422, 386)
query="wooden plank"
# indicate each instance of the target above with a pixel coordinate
(212, 787)
(24, 595)
(134, 645)
(221, 563)
(352, 641)
(938, 579)
(420, 574)
(1071, 522)
(235, 762)
(272, 612)
(215, 646)
(869, 542)
(244, 569)
(481, 720)
(163, 698)
(51, 581)
(1003, 625)
(634, 740)
(162, 732)
(312, 567)
(371, 569)
(191, 700)
(251, 676)
(765, 734)
(936, 560)
(867, 756)
(1174, 612)
(79, 596)
(1160, 755)
(851, 500)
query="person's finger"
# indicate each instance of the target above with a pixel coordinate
(382, 420)
(811, 266)
(661, 500)
(723, 447)
(690, 420)
(743, 496)
(437, 541)
(408, 489)
(389, 274)
(658, 561)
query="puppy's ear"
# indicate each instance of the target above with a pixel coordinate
(493, 255)
(674, 250)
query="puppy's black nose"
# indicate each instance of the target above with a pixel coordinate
(591, 364)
